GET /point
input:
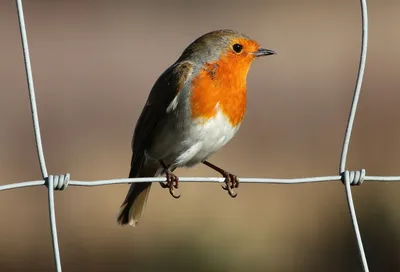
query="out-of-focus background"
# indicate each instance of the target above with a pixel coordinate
(94, 63)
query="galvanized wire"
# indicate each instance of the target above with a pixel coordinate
(350, 124)
(196, 179)
(31, 88)
(60, 182)
(36, 127)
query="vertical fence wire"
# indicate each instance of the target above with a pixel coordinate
(56, 250)
(349, 128)
(60, 182)
(31, 88)
(360, 76)
(354, 221)
(36, 127)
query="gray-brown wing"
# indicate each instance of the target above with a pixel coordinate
(167, 86)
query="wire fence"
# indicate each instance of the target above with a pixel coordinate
(60, 182)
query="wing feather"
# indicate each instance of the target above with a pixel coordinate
(160, 101)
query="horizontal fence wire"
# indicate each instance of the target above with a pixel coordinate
(60, 182)
(63, 183)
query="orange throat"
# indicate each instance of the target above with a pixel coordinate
(220, 86)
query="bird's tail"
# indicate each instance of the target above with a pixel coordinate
(133, 206)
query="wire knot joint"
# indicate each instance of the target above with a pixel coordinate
(353, 177)
(59, 182)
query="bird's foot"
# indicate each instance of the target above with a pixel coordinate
(172, 184)
(231, 182)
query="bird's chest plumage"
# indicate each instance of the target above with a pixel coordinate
(217, 105)
(218, 88)
(206, 136)
(204, 120)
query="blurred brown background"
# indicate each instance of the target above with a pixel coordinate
(94, 63)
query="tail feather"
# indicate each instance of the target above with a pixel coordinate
(133, 206)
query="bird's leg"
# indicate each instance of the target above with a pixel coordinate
(231, 180)
(172, 182)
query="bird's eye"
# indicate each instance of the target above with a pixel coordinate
(237, 48)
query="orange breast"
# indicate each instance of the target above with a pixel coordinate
(220, 83)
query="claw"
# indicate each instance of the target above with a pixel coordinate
(231, 181)
(172, 183)
(174, 193)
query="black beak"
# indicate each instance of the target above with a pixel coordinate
(264, 52)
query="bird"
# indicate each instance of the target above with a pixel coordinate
(194, 108)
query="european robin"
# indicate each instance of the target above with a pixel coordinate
(195, 107)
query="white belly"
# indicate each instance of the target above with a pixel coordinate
(204, 138)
